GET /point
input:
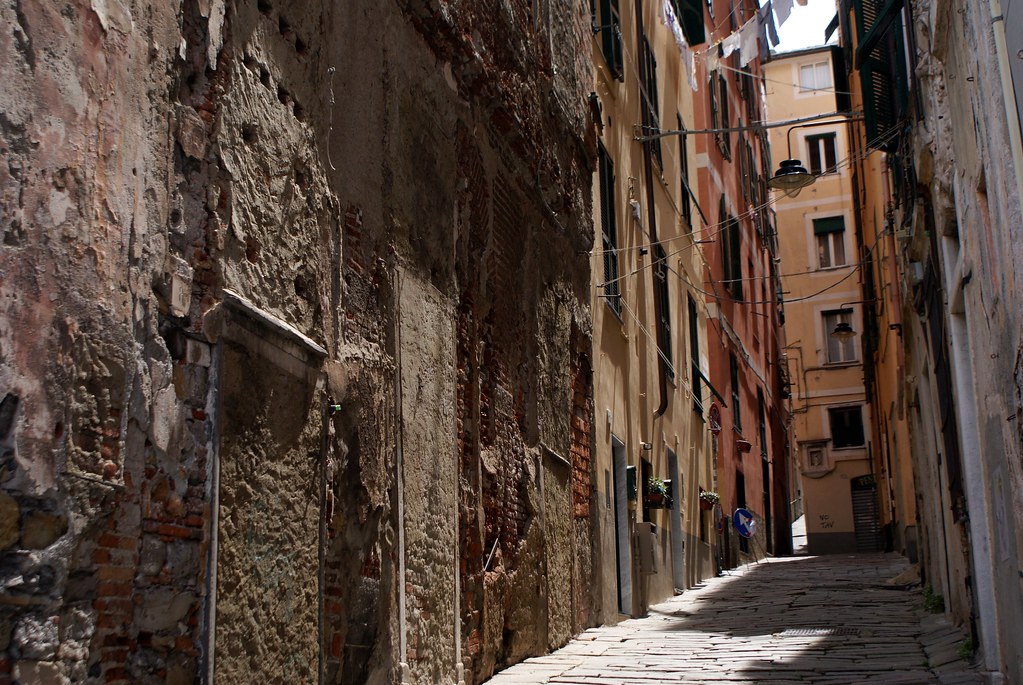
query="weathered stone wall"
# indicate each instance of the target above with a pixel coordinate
(302, 155)
(969, 207)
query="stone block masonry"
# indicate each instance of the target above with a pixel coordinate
(398, 194)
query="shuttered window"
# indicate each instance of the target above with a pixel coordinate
(694, 354)
(664, 322)
(609, 231)
(733, 364)
(608, 23)
(648, 92)
(881, 59)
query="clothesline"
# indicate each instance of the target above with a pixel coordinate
(746, 39)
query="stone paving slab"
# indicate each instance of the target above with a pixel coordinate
(780, 622)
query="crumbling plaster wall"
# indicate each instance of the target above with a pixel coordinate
(965, 161)
(301, 154)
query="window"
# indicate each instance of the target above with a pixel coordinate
(609, 231)
(651, 118)
(724, 139)
(821, 153)
(685, 201)
(829, 233)
(838, 352)
(694, 355)
(732, 256)
(846, 427)
(664, 309)
(733, 364)
(762, 417)
(608, 23)
(814, 77)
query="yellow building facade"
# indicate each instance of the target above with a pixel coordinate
(649, 324)
(822, 280)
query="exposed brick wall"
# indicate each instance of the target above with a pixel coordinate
(582, 425)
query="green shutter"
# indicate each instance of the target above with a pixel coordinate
(880, 57)
(610, 28)
(831, 224)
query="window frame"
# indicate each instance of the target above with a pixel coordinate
(685, 199)
(816, 88)
(831, 237)
(650, 101)
(862, 430)
(819, 162)
(609, 230)
(733, 371)
(696, 376)
(724, 139)
(607, 21)
(664, 322)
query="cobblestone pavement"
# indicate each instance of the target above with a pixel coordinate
(830, 619)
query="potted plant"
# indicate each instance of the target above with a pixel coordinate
(657, 494)
(708, 498)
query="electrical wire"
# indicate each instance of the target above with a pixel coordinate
(785, 83)
(750, 213)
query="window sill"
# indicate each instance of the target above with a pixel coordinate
(837, 267)
(842, 365)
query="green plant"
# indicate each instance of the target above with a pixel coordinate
(933, 602)
(710, 496)
(656, 486)
(966, 649)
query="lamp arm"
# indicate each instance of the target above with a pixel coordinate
(748, 127)
(788, 134)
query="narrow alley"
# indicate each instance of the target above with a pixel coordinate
(834, 619)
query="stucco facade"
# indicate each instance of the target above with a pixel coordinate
(821, 273)
(745, 335)
(644, 265)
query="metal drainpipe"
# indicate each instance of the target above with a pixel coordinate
(400, 478)
(662, 381)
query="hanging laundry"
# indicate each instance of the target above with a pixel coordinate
(730, 44)
(748, 50)
(671, 20)
(782, 10)
(710, 62)
(767, 21)
(689, 63)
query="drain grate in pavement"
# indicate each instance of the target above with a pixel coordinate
(818, 632)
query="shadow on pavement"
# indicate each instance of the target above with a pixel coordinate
(798, 619)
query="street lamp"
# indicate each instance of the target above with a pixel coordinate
(791, 177)
(844, 331)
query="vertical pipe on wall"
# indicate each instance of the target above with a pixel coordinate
(400, 483)
(213, 478)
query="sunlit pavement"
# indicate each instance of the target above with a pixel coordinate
(827, 619)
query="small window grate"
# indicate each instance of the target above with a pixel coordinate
(818, 632)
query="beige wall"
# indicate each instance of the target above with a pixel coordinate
(812, 289)
(626, 388)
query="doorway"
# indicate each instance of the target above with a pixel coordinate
(678, 570)
(623, 550)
